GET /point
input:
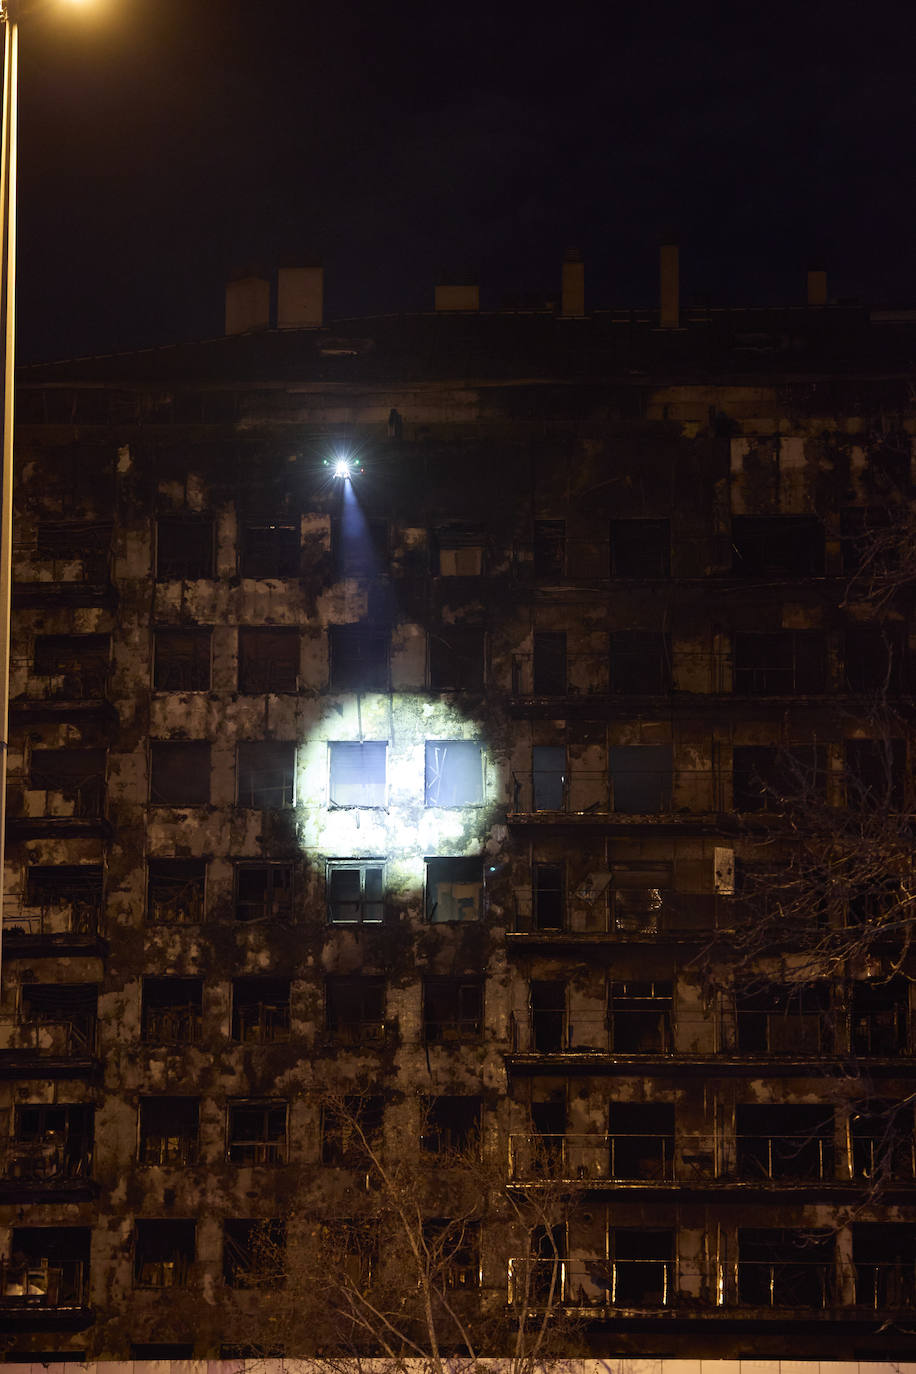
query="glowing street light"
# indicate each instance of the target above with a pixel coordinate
(342, 468)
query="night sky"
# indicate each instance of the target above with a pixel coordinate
(167, 143)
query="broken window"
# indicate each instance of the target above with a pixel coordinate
(260, 1010)
(77, 776)
(356, 892)
(547, 998)
(785, 1268)
(269, 550)
(880, 1018)
(641, 775)
(456, 658)
(87, 543)
(549, 663)
(884, 1260)
(72, 1006)
(875, 773)
(266, 774)
(172, 1009)
(351, 1135)
(169, 1130)
(179, 772)
(51, 1141)
(48, 1268)
(359, 658)
(263, 892)
(882, 1140)
(549, 549)
(454, 773)
(452, 1009)
(548, 777)
(254, 1252)
(268, 660)
(784, 1020)
(784, 1141)
(641, 1140)
(640, 662)
(641, 1017)
(67, 896)
(163, 1252)
(176, 891)
(73, 667)
(770, 778)
(638, 893)
(549, 896)
(182, 661)
(873, 659)
(460, 551)
(641, 1265)
(454, 889)
(452, 1125)
(777, 545)
(782, 663)
(356, 1009)
(640, 548)
(256, 1132)
(453, 1248)
(358, 773)
(184, 549)
(359, 544)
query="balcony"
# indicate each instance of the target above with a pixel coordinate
(64, 928)
(64, 794)
(79, 691)
(68, 562)
(594, 1282)
(596, 909)
(622, 797)
(34, 1288)
(45, 1171)
(48, 1048)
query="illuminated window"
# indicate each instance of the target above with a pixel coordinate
(454, 773)
(357, 773)
(454, 889)
(356, 893)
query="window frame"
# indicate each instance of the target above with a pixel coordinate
(429, 782)
(359, 866)
(348, 746)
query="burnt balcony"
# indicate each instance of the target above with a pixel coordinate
(639, 782)
(600, 909)
(56, 1035)
(43, 1287)
(68, 562)
(47, 1170)
(593, 1282)
(68, 677)
(60, 913)
(64, 794)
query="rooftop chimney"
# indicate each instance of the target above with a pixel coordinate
(452, 296)
(669, 286)
(817, 286)
(572, 285)
(300, 297)
(247, 305)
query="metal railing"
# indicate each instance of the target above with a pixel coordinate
(622, 911)
(593, 1281)
(172, 1025)
(606, 673)
(168, 1149)
(76, 682)
(57, 918)
(256, 1152)
(59, 1037)
(885, 1285)
(780, 1032)
(784, 1283)
(81, 798)
(41, 1284)
(644, 1030)
(591, 792)
(262, 1023)
(654, 1157)
(357, 1032)
(46, 1162)
(585, 1157)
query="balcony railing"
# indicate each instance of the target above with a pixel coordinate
(47, 1162)
(49, 797)
(785, 1283)
(168, 1149)
(43, 1285)
(625, 912)
(57, 1037)
(886, 1286)
(590, 793)
(598, 674)
(78, 682)
(172, 1025)
(256, 1152)
(643, 1030)
(63, 918)
(623, 1157)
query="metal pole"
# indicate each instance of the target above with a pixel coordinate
(8, 223)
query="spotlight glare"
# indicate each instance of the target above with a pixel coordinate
(342, 468)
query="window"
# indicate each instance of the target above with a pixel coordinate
(169, 1130)
(358, 773)
(74, 667)
(356, 1009)
(454, 889)
(260, 1010)
(777, 1141)
(777, 545)
(641, 1140)
(256, 1132)
(67, 896)
(641, 1017)
(454, 773)
(184, 549)
(640, 548)
(269, 551)
(452, 1125)
(350, 1135)
(456, 659)
(882, 1140)
(176, 891)
(873, 661)
(641, 776)
(548, 777)
(549, 549)
(182, 661)
(359, 658)
(356, 892)
(452, 1009)
(768, 778)
(75, 775)
(254, 1253)
(266, 774)
(785, 1268)
(87, 543)
(268, 660)
(263, 892)
(871, 542)
(880, 1018)
(548, 1016)
(163, 1252)
(171, 1013)
(549, 663)
(71, 1006)
(781, 663)
(359, 544)
(48, 1268)
(549, 898)
(179, 772)
(461, 551)
(784, 1020)
(51, 1142)
(637, 895)
(454, 1252)
(640, 662)
(875, 771)
(641, 1267)
(884, 1259)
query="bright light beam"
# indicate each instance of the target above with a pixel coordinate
(342, 468)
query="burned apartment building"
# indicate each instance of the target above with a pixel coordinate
(441, 789)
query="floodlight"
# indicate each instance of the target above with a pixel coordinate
(342, 468)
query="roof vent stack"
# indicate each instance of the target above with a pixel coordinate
(669, 286)
(247, 305)
(572, 285)
(300, 297)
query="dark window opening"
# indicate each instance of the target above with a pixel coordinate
(350, 1136)
(641, 1268)
(87, 543)
(179, 772)
(72, 1006)
(641, 1140)
(264, 892)
(549, 548)
(172, 1010)
(269, 551)
(452, 1125)
(254, 1253)
(874, 659)
(548, 777)
(176, 891)
(356, 893)
(638, 896)
(641, 775)
(359, 658)
(785, 1268)
(260, 1010)
(356, 1009)
(454, 773)
(452, 1009)
(456, 659)
(182, 661)
(73, 667)
(872, 540)
(641, 1018)
(769, 778)
(454, 1251)
(882, 1141)
(548, 1016)
(163, 1252)
(875, 773)
(781, 663)
(169, 1130)
(640, 548)
(460, 550)
(268, 660)
(776, 1141)
(359, 545)
(266, 774)
(76, 775)
(184, 550)
(777, 545)
(549, 663)
(48, 1268)
(640, 662)
(358, 773)
(51, 1142)
(68, 897)
(549, 896)
(884, 1259)
(454, 889)
(256, 1132)
(784, 1020)
(880, 1018)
